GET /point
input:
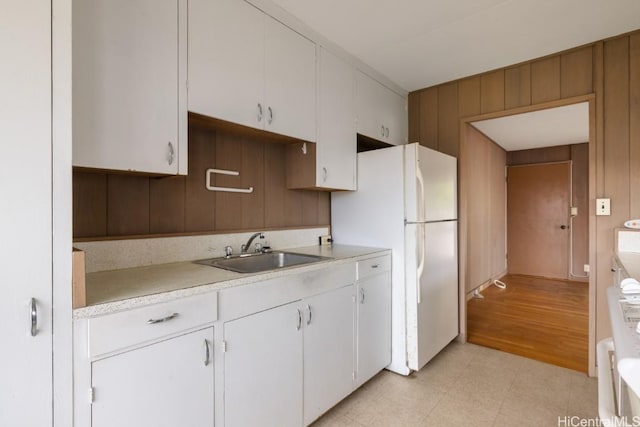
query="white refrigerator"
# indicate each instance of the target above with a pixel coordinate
(407, 201)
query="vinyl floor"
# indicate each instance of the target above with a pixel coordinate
(475, 386)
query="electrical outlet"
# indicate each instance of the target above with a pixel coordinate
(325, 240)
(586, 268)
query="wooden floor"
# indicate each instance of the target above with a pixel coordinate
(546, 320)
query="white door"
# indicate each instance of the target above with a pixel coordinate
(336, 147)
(328, 350)
(263, 369)
(226, 61)
(26, 213)
(125, 84)
(169, 383)
(433, 314)
(395, 117)
(290, 82)
(369, 107)
(374, 325)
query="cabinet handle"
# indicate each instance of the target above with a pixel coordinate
(259, 112)
(375, 266)
(309, 310)
(382, 130)
(270, 118)
(206, 352)
(361, 295)
(164, 319)
(324, 174)
(387, 132)
(299, 320)
(34, 317)
(171, 155)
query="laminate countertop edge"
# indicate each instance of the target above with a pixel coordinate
(119, 290)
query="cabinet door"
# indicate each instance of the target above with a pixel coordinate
(336, 146)
(290, 82)
(328, 350)
(263, 369)
(126, 91)
(26, 213)
(369, 107)
(395, 117)
(381, 112)
(226, 61)
(165, 384)
(374, 325)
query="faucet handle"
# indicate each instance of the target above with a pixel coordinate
(228, 250)
(258, 247)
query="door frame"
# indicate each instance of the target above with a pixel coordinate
(463, 209)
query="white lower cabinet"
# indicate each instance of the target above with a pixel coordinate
(288, 365)
(328, 350)
(263, 368)
(373, 317)
(169, 383)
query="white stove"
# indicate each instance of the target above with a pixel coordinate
(619, 357)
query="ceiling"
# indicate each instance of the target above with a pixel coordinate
(544, 128)
(421, 43)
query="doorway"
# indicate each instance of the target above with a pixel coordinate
(539, 190)
(538, 208)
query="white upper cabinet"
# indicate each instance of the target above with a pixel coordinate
(247, 68)
(336, 146)
(129, 85)
(290, 82)
(226, 61)
(381, 113)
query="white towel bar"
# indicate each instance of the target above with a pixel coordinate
(210, 187)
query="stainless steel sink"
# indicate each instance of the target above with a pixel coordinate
(256, 263)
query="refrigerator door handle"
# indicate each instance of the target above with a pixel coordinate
(420, 270)
(420, 195)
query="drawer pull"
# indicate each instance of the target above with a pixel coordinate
(375, 266)
(164, 319)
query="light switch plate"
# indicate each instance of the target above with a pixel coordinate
(603, 206)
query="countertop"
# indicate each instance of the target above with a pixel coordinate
(117, 290)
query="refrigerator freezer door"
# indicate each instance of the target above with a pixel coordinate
(440, 191)
(433, 322)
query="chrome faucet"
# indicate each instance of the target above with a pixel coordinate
(245, 247)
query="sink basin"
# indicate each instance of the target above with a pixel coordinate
(256, 263)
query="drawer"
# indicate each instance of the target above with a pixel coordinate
(371, 266)
(115, 331)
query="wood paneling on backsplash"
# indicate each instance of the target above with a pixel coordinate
(115, 204)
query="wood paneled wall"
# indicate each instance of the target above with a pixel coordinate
(486, 204)
(608, 69)
(579, 156)
(435, 112)
(110, 204)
